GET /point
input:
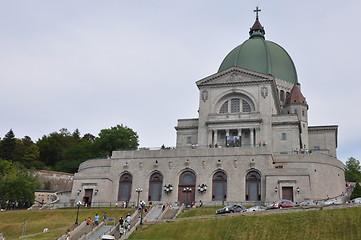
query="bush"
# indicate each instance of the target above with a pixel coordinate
(356, 191)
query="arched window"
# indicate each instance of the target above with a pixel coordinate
(219, 186)
(235, 105)
(155, 187)
(282, 96)
(187, 181)
(253, 186)
(125, 187)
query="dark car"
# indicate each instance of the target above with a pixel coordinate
(231, 209)
(282, 204)
(305, 203)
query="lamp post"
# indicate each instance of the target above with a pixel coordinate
(138, 190)
(187, 190)
(168, 188)
(78, 204)
(202, 188)
(142, 204)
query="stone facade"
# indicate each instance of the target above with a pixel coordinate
(251, 143)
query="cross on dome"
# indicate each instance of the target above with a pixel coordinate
(256, 11)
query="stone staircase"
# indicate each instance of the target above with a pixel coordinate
(169, 213)
(81, 230)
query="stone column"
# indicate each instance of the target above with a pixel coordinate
(210, 131)
(251, 136)
(240, 136)
(227, 135)
(215, 140)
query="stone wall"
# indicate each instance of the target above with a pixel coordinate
(54, 181)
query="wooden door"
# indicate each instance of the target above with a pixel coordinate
(287, 193)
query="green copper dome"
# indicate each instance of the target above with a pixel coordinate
(260, 55)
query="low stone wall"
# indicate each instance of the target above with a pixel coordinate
(54, 181)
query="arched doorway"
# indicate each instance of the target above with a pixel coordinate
(187, 187)
(155, 187)
(219, 186)
(253, 186)
(125, 187)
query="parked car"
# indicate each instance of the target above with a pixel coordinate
(231, 209)
(108, 237)
(256, 208)
(305, 203)
(356, 200)
(332, 201)
(282, 204)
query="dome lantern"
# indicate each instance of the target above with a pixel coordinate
(257, 30)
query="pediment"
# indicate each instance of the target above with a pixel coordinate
(234, 76)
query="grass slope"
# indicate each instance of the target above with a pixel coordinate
(199, 212)
(57, 221)
(316, 225)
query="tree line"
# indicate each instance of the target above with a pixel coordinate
(58, 151)
(353, 174)
(63, 151)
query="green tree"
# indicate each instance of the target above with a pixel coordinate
(72, 157)
(51, 147)
(356, 191)
(352, 170)
(89, 137)
(118, 137)
(27, 153)
(17, 186)
(8, 146)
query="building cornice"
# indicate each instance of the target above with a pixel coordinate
(236, 76)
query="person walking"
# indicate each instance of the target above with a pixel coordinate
(121, 221)
(126, 226)
(96, 219)
(128, 218)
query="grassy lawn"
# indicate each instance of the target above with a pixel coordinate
(199, 212)
(315, 225)
(57, 221)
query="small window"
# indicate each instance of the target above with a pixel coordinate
(189, 140)
(295, 111)
(303, 113)
(282, 96)
(283, 136)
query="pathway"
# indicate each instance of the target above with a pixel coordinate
(99, 232)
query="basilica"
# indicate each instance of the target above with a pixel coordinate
(250, 143)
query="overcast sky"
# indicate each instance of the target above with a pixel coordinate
(94, 64)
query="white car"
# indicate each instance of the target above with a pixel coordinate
(256, 208)
(356, 200)
(332, 201)
(108, 237)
